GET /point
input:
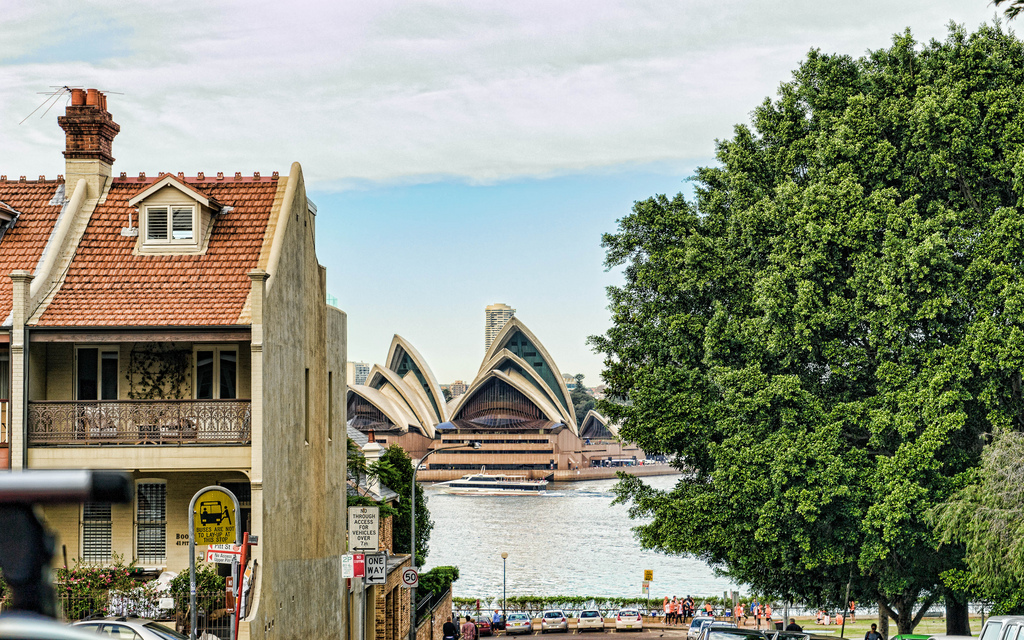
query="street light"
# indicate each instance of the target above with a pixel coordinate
(504, 613)
(412, 542)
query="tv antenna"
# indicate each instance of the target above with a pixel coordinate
(53, 96)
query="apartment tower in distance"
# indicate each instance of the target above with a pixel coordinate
(497, 315)
(357, 372)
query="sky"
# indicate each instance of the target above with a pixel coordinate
(460, 152)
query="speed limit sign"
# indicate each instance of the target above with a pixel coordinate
(410, 579)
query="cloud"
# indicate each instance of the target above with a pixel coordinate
(417, 91)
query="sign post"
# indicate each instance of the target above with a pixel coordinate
(212, 519)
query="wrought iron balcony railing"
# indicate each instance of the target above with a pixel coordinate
(139, 422)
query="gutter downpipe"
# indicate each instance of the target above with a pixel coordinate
(24, 400)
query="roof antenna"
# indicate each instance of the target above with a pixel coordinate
(50, 95)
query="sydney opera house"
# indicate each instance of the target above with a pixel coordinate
(517, 407)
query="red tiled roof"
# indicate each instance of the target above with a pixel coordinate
(23, 244)
(108, 286)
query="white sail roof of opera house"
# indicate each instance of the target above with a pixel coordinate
(497, 400)
(406, 361)
(370, 409)
(596, 426)
(516, 367)
(520, 341)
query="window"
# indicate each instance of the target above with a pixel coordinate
(151, 522)
(96, 523)
(97, 374)
(330, 406)
(174, 223)
(5, 375)
(216, 373)
(307, 406)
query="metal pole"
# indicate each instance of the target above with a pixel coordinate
(193, 614)
(504, 600)
(846, 606)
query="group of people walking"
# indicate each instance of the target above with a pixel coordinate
(677, 611)
(759, 612)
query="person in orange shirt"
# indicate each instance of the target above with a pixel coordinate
(768, 616)
(738, 614)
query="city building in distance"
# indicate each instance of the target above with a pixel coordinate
(496, 315)
(457, 388)
(356, 372)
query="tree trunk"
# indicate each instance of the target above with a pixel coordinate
(957, 623)
(883, 619)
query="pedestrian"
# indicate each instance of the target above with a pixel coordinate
(689, 608)
(767, 615)
(496, 621)
(708, 609)
(793, 626)
(674, 609)
(450, 630)
(738, 614)
(873, 634)
(667, 607)
(757, 614)
(853, 611)
(468, 629)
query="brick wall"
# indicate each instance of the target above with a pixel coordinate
(391, 607)
(432, 628)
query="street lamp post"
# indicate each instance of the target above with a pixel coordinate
(504, 612)
(412, 527)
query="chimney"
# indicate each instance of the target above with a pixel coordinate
(90, 132)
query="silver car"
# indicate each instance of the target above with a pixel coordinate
(130, 629)
(554, 620)
(518, 623)
(696, 625)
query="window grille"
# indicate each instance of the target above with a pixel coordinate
(151, 523)
(96, 525)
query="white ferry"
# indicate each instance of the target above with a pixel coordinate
(484, 484)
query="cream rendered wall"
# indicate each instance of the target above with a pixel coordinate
(302, 533)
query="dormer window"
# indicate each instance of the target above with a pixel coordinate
(170, 224)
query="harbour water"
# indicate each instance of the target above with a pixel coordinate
(570, 541)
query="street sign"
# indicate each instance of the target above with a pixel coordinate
(214, 518)
(646, 589)
(364, 529)
(648, 575)
(410, 578)
(224, 553)
(376, 568)
(348, 569)
(358, 565)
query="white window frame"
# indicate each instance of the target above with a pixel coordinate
(216, 349)
(150, 561)
(169, 239)
(100, 350)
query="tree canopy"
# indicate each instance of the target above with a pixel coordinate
(582, 401)
(825, 335)
(395, 470)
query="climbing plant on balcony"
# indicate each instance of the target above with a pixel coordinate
(158, 371)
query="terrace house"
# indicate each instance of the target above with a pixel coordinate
(176, 328)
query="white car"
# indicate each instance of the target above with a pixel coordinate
(590, 619)
(554, 620)
(696, 625)
(130, 629)
(628, 619)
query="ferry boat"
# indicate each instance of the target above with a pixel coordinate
(484, 484)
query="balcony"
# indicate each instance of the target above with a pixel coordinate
(138, 422)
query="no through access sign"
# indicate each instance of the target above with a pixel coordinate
(363, 529)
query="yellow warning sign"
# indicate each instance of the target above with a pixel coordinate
(214, 518)
(648, 575)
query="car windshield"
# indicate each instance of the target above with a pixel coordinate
(589, 614)
(164, 632)
(518, 616)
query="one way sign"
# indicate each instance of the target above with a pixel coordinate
(376, 568)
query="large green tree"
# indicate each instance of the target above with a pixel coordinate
(827, 331)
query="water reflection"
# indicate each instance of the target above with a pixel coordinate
(571, 541)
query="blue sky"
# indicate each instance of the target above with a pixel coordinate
(460, 152)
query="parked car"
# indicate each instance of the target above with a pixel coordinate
(130, 628)
(1002, 628)
(590, 619)
(483, 627)
(628, 619)
(28, 626)
(554, 620)
(729, 631)
(518, 623)
(696, 624)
